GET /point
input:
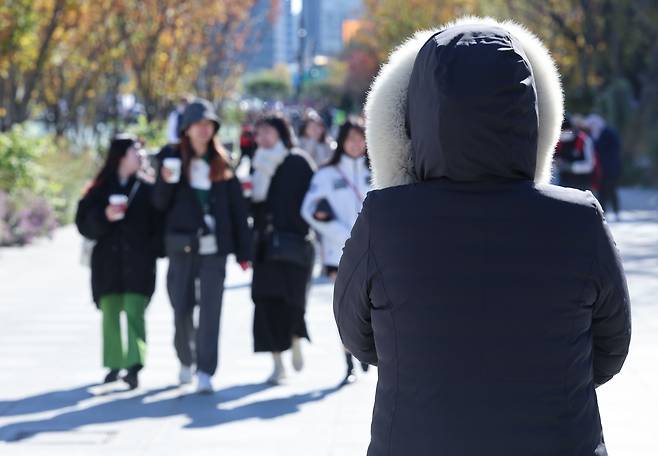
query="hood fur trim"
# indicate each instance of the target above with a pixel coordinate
(389, 147)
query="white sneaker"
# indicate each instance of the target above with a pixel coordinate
(185, 375)
(297, 358)
(204, 383)
(277, 377)
(279, 374)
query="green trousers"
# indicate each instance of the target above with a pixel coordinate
(115, 356)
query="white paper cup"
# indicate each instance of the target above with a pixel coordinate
(173, 164)
(119, 201)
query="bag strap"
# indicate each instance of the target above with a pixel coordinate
(133, 191)
(356, 191)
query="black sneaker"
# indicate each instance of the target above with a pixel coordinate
(112, 376)
(131, 378)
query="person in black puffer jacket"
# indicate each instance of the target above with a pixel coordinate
(206, 219)
(493, 304)
(127, 243)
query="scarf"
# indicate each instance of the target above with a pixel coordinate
(265, 163)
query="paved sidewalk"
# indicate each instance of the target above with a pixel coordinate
(50, 352)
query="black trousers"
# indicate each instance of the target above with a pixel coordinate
(276, 322)
(197, 279)
(609, 195)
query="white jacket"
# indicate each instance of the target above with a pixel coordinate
(344, 186)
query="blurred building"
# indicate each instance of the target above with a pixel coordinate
(324, 20)
(276, 26)
(273, 36)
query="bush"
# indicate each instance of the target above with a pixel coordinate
(153, 133)
(269, 84)
(40, 182)
(18, 153)
(24, 217)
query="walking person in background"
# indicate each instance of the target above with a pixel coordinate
(575, 157)
(116, 212)
(313, 138)
(608, 147)
(174, 119)
(206, 219)
(247, 142)
(491, 322)
(334, 201)
(284, 255)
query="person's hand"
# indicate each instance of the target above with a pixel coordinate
(166, 174)
(113, 213)
(321, 216)
(245, 265)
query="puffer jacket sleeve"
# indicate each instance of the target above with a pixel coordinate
(335, 230)
(239, 213)
(90, 217)
(611, 321)
(352, 304)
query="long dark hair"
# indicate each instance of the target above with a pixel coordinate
(343, 132)
(282, 127)
(118, 148)
(314, 117)
(220, 168)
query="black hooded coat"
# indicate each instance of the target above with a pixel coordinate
(491, 304)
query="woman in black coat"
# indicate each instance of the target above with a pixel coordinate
(206, 219)
(116, 212)
(284, 255)
(493, 304)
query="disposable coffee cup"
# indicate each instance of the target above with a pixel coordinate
(173, 164)
(120, 202)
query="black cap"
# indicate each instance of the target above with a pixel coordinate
(199, 109)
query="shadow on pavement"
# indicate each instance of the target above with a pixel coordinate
(202, 410)
(44, 402)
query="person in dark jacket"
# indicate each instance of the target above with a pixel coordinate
(284, 255)
(489, 340)
(205, 220)
(575, 157)
(313, 138)
(247, 142)
(608, 147)
(116, 212)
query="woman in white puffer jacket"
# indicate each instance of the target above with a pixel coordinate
(335, 198)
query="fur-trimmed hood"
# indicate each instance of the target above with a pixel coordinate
(472, 100)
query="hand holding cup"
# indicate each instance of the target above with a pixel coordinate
(116, 210)
(170, 171)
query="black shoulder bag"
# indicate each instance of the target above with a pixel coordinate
(286, 247)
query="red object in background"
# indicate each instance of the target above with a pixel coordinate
(247, 140)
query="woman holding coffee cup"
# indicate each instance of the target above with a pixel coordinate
(117, 213)
(206, 219)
